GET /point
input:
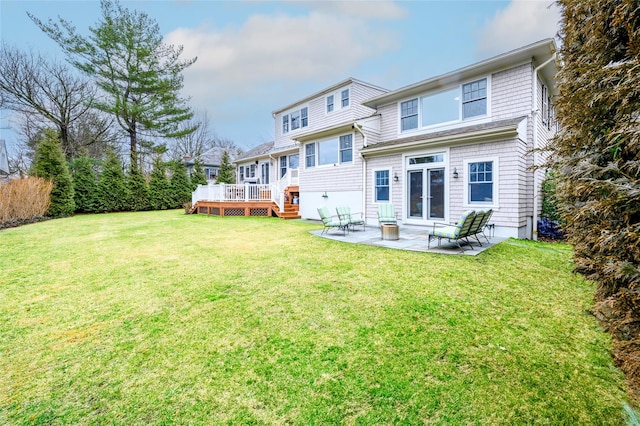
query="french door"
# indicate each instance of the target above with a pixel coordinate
(426, 194)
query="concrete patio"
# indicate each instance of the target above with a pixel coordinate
(413, 238)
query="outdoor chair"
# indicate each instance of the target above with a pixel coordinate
(387, 214)
(353, 219)
(455, 233)
(482, 218)
(331, 222)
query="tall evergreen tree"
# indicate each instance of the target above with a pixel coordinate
(159, 188)
(597, 154)
(139, 75)
(112, 185)
(138, 190)
(227, 172)
(85, 184)
(49, 163)
(180, 184)
(197, 174)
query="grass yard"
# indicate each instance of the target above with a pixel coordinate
(163, 318)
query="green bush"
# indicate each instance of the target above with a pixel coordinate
(49, 163)
(112, 186)
(85, 184)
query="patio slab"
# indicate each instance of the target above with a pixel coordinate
(413, 238)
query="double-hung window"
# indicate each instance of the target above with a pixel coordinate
(344, 96)
(330, 103)
(241, 168)
(474, 99)
(381, 186)
(283, 165)
(409, 115)
(285, 124)
(481, 182)
(346, 148)
(310, 155)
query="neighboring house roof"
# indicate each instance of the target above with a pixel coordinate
(538, 52)
(473, 133)
(326, 90)
(255, 152)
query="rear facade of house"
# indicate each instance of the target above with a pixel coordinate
(460, 141)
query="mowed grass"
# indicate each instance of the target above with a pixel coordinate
(164, 318)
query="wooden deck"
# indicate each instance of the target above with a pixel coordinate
(261, 206)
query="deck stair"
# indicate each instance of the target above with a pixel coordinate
(291, 204)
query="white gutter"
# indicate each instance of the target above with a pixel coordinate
(534, 116)
(364, 171)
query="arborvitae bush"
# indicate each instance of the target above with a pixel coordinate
(180, 184)
(23, 200)
(597, 154)
(226, 174)
(85, 184)
(549, 199)
(138, 191)
(159, 189)
(49, 163)
(197, 174)
(112, 185)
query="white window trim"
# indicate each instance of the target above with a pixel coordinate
(447, 182)
(336, 164)
(288, 113)
(337, 100)
(496, 183)
(451, 123)
(373, 189)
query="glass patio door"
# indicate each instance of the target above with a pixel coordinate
(436, 194)
(426, 194)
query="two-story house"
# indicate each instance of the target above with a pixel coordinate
(463, 140)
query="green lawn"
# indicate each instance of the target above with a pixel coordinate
(163, 318)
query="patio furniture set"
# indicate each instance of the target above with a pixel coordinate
(472, 223)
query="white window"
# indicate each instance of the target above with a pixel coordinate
(547, 108)
(283, 165)
(474, 99)
(409, 115)
(241, 168)
(481, 182)
(382, 186)
(463, 102)
(295, 120)
(337, 150)
(338, 100)
(346, 148)
(329, 103)
(344, 96)
(310, 154)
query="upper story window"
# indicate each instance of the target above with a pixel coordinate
(295, 120)
(310, 154)
(338, 100)
(409, 115)
(329, 151)
(474, 99)
(467, 101)
(547, 108)
(344, 96)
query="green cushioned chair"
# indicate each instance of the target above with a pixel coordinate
(331, 222)
(352, 219)
(387, 214)
(482, 218)
(455, 233)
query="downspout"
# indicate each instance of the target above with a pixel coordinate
(364, 171)
(534, 116)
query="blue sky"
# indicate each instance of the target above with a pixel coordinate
(257, 56)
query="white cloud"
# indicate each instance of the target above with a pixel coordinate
(269, 54)
(522, 22)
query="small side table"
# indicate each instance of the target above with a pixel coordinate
(389, 231)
